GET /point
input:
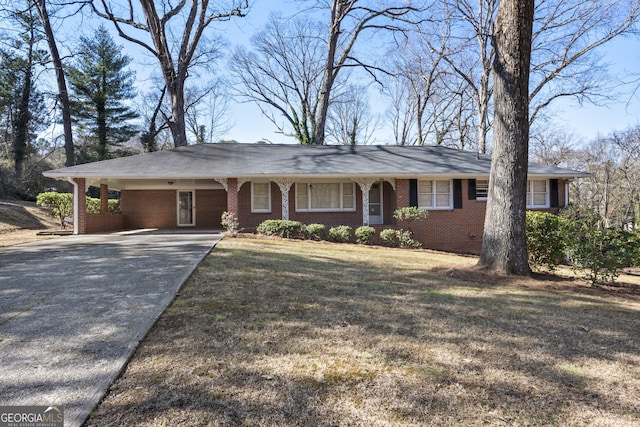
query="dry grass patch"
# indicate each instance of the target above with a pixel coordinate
(21, 221)
(288, 333)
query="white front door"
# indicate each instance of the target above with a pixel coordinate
(375, 204)
(186, 208)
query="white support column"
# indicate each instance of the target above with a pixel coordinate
(365, 185)
(285, 186)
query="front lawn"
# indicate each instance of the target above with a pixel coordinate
(295, 333)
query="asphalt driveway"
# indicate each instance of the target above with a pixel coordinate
(73, 310)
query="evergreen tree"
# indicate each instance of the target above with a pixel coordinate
(101, 86)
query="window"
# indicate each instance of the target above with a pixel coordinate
(482, 189)
(434, 194)
(537, 193)
(260, 197)
(325, 196)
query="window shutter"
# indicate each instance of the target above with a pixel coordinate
(553, 193)
(457, 194)
(413, 192)
(472, 189)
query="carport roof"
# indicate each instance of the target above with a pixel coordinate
(205, 161)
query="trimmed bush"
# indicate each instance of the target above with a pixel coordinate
(315, 231)
(546, 239)
(230, 222)
(389, 237)
(364, 234)
(60, 203)
(340, 234)
(93, 205)
(406, 240)
(280, 227)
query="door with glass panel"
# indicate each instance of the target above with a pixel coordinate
(375, 204)
(186, 206)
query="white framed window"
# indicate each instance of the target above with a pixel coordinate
(260, 197)
(435, 194)
(482, 189)
(325, 196)
(537, 193)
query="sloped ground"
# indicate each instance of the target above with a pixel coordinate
(287, 333)
(21, 221)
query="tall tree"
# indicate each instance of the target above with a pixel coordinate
(63, 93)
(348, 21)
(504, 244)
(189, 49)
(282, 74)
(101, 87)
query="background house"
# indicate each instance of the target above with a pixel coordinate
(332, 185)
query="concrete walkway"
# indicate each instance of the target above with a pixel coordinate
(73, 310)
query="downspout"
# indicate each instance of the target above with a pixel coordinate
(75, 205)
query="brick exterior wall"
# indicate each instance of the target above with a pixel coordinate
(209, 207)
(103, 223)
(149, 208)
(455, 230)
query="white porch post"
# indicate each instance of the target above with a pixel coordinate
(365, 185)
(285, 186)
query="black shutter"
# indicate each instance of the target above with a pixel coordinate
(413, 192)
(553, 193)
(457, 194)
(472, 189)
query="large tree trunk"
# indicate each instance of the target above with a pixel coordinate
(63, 93)
(329, 74)
(176, 122)
(504, 245)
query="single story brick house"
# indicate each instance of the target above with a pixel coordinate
(333, 185)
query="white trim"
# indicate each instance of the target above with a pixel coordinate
(75, 205)
(309, 185)
(529, 193)
(253, 209)
(434, 195)
(193, 208)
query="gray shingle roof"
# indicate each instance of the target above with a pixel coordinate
(264, 160)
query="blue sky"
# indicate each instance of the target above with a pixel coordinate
(587, 121)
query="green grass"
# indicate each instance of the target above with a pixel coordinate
(286, 333)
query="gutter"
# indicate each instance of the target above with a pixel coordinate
(75, 204)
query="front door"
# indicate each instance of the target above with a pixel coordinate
(375, 204)
(186, 205)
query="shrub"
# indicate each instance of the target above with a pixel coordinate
(545, 239)
(315, 231)
(410, 213)
(389, 237)
(60, 203)
(93, 205)
(341, 233)
(598, 253)
(230, 222)
(280, 227)
(364, 234)
(406, 240)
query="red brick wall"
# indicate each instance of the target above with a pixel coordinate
(209, 207)
(101, 223)
(158, 208)
(149, 208)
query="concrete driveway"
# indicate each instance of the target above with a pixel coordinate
(73, 310)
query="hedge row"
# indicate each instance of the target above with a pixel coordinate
(365, 235)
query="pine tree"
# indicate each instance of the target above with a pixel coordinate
(101, 86)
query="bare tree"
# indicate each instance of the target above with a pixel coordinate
(282, 75)
(504, 244)
(189, 49)
(350, 119)
(207, 112)
(348, 20)
(401, 114)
